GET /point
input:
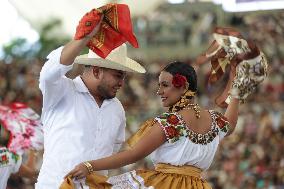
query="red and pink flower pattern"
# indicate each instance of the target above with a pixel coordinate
(24, 126)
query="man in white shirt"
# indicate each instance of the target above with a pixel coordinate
(82, 118)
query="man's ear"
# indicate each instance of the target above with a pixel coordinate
(97, 71)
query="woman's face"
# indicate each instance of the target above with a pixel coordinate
(168, 92)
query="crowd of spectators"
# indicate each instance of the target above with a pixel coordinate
(251, 158)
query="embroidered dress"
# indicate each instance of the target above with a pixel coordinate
(179, 162)
(9, 163)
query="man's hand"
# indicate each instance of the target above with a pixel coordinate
(74, 47)
(89, 25)
(96, 29)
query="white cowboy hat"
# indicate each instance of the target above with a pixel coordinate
(117, 60)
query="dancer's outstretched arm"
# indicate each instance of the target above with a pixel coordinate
(232, 114)
(151, 141)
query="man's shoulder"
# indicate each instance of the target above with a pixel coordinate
(117, 103)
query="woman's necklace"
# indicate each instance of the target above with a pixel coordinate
(194, 107)
(185, 103)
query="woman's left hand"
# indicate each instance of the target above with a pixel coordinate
(79, 172)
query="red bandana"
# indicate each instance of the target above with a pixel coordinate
(116, 28)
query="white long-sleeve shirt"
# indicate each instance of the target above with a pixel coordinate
(75, 128)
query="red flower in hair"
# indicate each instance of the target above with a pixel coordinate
(179, 80)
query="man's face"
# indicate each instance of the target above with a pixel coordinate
(111, 82)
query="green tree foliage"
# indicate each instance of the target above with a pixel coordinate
(48, 39)
(20, 49)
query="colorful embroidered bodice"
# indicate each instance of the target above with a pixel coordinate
(175, 127)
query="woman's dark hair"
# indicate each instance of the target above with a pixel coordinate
(185, 70)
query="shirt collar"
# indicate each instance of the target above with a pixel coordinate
(80, 85)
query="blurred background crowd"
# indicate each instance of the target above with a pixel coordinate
(251, 158)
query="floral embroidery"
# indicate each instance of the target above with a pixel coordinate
(171, 125)
(172, 132)
(173, 119)
(175, 127)
(7, 157)
(4, 160)
(4, 157)
(128, 180)
(222, 122)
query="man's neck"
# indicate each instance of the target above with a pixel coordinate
(98, 98)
